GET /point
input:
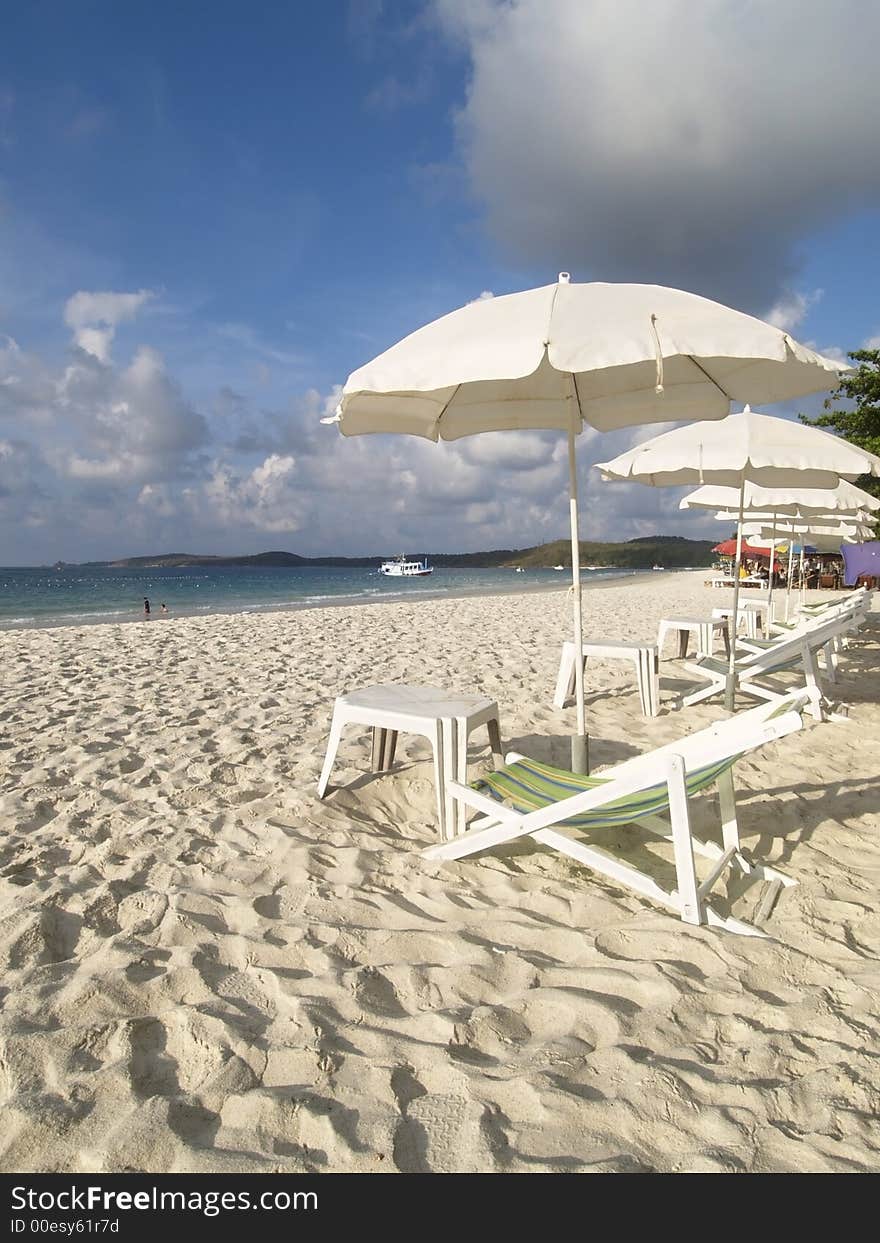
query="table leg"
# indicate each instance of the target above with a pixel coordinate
(332, 748)
(683, 639)
(661, 636)
(378, 748)
(457, 824)
(384, 747)
(443, 741)
(650, 674)
(704, 641)
(565, 677)
(389, 749)
(494, 728)
(644, 674)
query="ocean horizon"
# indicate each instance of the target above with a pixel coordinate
(77, 595)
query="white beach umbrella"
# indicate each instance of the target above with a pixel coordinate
(566, 355)
(744, 448)
(768, 517)
(846, 498)
(830, 534)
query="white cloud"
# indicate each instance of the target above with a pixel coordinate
(243, 334)
(689, 144)
(112, 458)
(791, 310)
(871, 343)
(95, 316)
(265, 498)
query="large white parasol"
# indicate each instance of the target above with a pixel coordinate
(745, 448)
(846, 498)
(566, 355)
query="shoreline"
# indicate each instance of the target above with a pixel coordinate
(342, 601)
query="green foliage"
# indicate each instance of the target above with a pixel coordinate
(858, 421)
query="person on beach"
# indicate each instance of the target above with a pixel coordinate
(146, 608)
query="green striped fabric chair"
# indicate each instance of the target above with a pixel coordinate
(527, 785)
(569, 813)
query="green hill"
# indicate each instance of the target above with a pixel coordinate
(670, 551)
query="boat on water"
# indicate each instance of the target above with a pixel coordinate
(401, 568)
(559, 567)
(658, 567)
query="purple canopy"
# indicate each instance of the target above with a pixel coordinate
(860, 559)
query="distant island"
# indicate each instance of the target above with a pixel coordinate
(669, 551)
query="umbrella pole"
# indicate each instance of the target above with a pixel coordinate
(730, 689)
(803, 590)
(790, 571)
(770, 575)
(579, 747)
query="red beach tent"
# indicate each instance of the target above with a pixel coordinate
(727, 548)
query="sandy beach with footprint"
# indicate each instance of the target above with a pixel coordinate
(206, 969)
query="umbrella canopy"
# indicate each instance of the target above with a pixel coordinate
(744, 448)
(566, 355)
(845, 498)
(620, 354)
(835, 533)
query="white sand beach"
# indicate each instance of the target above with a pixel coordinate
(206, 969)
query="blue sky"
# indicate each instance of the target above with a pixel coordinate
(210, 215)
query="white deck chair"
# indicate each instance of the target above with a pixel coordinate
(845, 618)
(548, 804)
(757, 665)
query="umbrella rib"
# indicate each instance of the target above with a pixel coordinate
(710, 378)
(452, 397)
(577, 396)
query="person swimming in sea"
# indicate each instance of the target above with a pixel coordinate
(146, 607)
(164, 608)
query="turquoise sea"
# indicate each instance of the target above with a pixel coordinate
(79, 595)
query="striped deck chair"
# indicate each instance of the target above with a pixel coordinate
(555, 808)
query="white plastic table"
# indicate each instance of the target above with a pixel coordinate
(642, 655)
(705, 629)
(751, 612)
(445, 718)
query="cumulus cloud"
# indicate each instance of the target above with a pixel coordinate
(264, 498)
(106, 458)
(128, 424)
(687, 144)
(792, 309)
(95, 316)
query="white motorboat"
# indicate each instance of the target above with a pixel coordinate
(657, 567)
(559, 567)
(401, 568)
